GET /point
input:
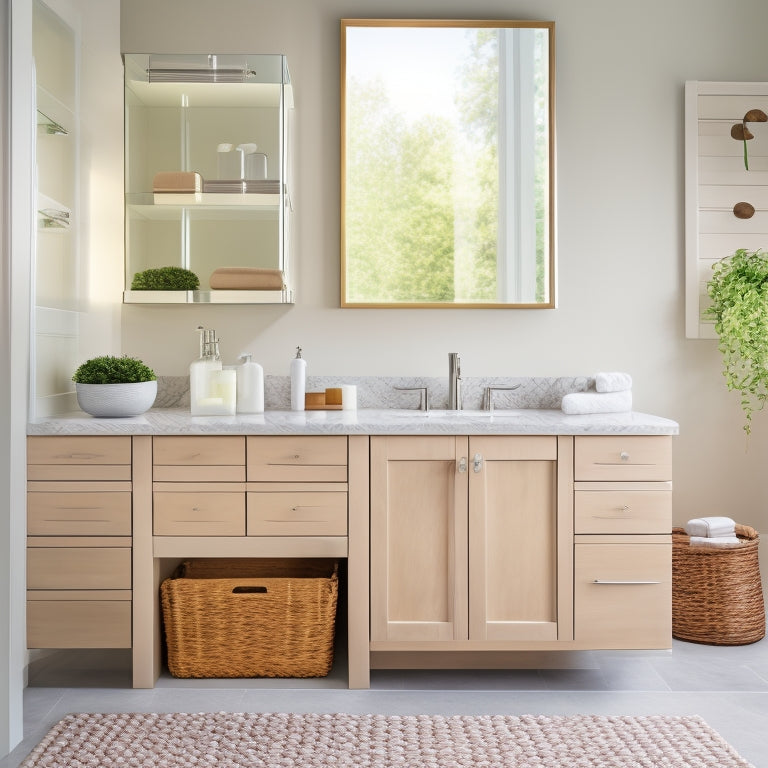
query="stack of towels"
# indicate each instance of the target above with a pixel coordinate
(712, 532)
(612, 394)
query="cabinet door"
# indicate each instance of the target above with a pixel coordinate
(513, 538)
(419, 539)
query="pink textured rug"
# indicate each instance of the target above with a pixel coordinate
(236, 740)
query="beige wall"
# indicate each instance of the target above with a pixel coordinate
(620, 72)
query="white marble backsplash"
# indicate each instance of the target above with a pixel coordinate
(381, 392)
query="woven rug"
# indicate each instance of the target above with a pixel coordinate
(227, 740)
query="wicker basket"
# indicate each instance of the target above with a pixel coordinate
(264, 619)
(717, 597)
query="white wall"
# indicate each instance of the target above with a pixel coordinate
(620, 72)
(15, 248)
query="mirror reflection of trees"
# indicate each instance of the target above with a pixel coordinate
(399, 222)
(422, 194)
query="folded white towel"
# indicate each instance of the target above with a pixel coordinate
(597, 402)
(612, 381)
(725, 542)
(710, 527)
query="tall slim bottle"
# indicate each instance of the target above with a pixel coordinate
(298, 381)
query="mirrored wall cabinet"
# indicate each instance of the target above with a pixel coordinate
(207, 179)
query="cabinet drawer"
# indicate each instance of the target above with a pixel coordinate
(78, 568)
(623, 458)
(79, 458)
(623, 511)
(300, 458)
(212, 459)
(623, 595)
(78, 623)
(297, 514)
(82, 513)
(199, 514)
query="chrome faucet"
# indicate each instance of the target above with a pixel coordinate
(454, 381)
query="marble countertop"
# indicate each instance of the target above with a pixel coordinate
(391, 421)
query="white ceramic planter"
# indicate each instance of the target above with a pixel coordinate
(116, 400)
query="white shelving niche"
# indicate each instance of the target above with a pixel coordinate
(181, 112)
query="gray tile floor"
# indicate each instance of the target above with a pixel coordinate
(727, 686)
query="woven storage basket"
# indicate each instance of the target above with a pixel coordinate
(717, 597)
(264, 621)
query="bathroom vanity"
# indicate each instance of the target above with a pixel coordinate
(467, 535)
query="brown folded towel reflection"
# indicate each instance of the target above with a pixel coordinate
(177, 181)
(245, 279)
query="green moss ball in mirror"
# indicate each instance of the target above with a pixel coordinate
(113, 370)
(165, 279)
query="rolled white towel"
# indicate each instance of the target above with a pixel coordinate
(612, 381)
(597, 402)
(725, 542)
(710, 527)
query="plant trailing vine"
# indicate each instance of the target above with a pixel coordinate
(739, 292)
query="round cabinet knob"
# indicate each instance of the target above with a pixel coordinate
(624, 456)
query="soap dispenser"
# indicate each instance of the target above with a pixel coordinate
(212, 391)
(250, 386)
(298, 381)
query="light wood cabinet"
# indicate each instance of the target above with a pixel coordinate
(459, 544)
(79, 541)
(623, 547)
(471, 539)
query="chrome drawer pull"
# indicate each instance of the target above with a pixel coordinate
(607, 581)
(477, 463)
(462, 465)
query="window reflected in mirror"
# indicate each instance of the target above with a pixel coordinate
(447, 163)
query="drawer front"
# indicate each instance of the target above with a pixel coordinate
(297, 459)
(297, 514)
(102, 513)
(78, 568)
(623, 458)
(623, 511)
(623, 595)
(205, 451)
(199, 459)
(78, 624)
(79, 458)
(199, 514)
(79, 450)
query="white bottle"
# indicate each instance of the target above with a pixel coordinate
(250, 386)
(298, 381)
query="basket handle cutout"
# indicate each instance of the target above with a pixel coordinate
(249, 590)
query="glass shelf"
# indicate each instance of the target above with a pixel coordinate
(181, 113)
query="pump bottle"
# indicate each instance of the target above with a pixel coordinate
(298, 381)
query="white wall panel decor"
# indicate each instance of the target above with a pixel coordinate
(716, 179)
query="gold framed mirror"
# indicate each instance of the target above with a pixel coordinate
(447, 163)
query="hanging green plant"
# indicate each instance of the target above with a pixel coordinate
(739, 293)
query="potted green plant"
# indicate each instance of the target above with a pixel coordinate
(739, 293)
(112, 387)
(165, 279)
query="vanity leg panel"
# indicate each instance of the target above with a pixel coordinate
(565, 537)
(358, 564)
(146, 611)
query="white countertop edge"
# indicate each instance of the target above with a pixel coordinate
(178, 421)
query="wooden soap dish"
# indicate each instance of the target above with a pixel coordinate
(323, 401)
